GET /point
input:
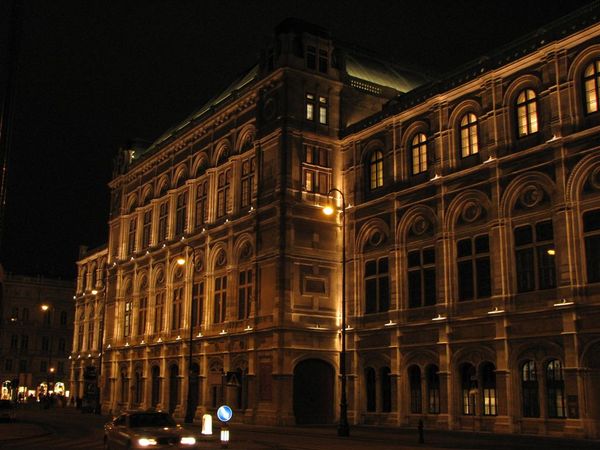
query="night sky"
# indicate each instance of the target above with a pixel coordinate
(93, 74)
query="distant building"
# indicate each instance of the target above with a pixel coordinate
(473, 235)
(36, 328)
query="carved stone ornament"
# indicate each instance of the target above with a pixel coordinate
(221, 259)
(471, 211)
(595, 178)
(246, 251)
(420, 225)
(531, 195)
(376, 238)
(199, 263)
(178, 273)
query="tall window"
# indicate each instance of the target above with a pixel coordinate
(473, 261)
(534, 251)
(421, 277)
(414, 379)
(80, 330)
(591, 83)
(469, 389)
(131, 235)
(163, 215)
(244, 293)
(159, 311)
(377, 286)
(555, 386)
(433, 389)
(223, 191)
(248, 168)
(139, 387)
(316, 169)
(591, 229)
(90, 343)
(176, 308)
(143, 313)
(527, 119)
(323, 110)
(127, 319)
(469, 139)
(147, 228)
(310, 106)
(311, 57)
(418, 151)
(198, 303)
(202, 204)
(386, 389)
(375, 171)
(530, 388)
(488, 381)
(181, 213)
(124, 382)
(220, 304)
(370, 380)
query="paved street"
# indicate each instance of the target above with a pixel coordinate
(67, 428)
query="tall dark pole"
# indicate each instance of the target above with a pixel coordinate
(190, 407)
(343, 427)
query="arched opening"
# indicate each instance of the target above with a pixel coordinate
(173, 388)
(313, 392)
(155, 385)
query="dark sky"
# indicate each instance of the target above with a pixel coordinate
(92, 74)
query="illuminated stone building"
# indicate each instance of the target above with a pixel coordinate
(473, 234)
(36, 319)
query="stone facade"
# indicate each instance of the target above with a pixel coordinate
(472, 210)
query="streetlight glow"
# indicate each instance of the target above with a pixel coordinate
(45, 307)
(181, 261)
(328, 210)
(94, 291)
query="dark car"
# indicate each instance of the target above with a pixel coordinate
(8, 410)
(151, 430)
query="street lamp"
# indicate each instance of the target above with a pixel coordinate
(95, 292)
(46, 310)
(190, 408)
(343, 427)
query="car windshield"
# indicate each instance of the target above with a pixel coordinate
(151, 420)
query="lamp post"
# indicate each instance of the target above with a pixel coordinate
(190, 408)
(46, 310)
(343, 427)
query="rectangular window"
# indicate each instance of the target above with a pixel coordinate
(159, 311)
(198, 303)
(534, 257)
(143, 312)
(176, 308)
(202, 204)
(421, 278)
(163, 215)
(90, 343)
(147, 229)
(131, 235)
(310, 107)
(181, 213)
(377, 286)
(220, 304)
(80, 337)
(323, 61)
(316, 171)
(323, 110)
(223, 193)
(127, 319)
(244, 293)
(591, 228)
(473, 263)
(248, 168)
(311, 57)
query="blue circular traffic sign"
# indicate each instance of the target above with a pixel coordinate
(224, 413)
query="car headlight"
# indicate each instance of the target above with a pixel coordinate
(146, 442)
(188, 440)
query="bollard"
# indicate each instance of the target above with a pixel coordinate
(421, 435)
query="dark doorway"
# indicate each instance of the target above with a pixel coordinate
(173, 388)
(155, 385)
(313, 392)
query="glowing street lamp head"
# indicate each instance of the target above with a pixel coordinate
(551, 252)
(181, 261)
(94, 291)
(45, 307)
(328, 210)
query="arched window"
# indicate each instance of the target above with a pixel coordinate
(143, 308)
(534, 257)
(375, 171)
(155, 385)
(181, 213)
(223, 193)
(555, 386)
(377, 286)
(527, 118)
(159, 304)
(488, 381)
(371, 388)
(591, 229)
(529, 388)
(139, 387)
(418, 151)
(591, 86)
(473, 264)
(220, 289)
(124, 383)
(469, 138)
(468, 381)
(414, 379)
(177, 300)
(386, 389)
(421, 277)
(247, 183)
(173, 388)
(433, 389)
(202, 204)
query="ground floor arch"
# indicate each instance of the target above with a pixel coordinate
(313, 392)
